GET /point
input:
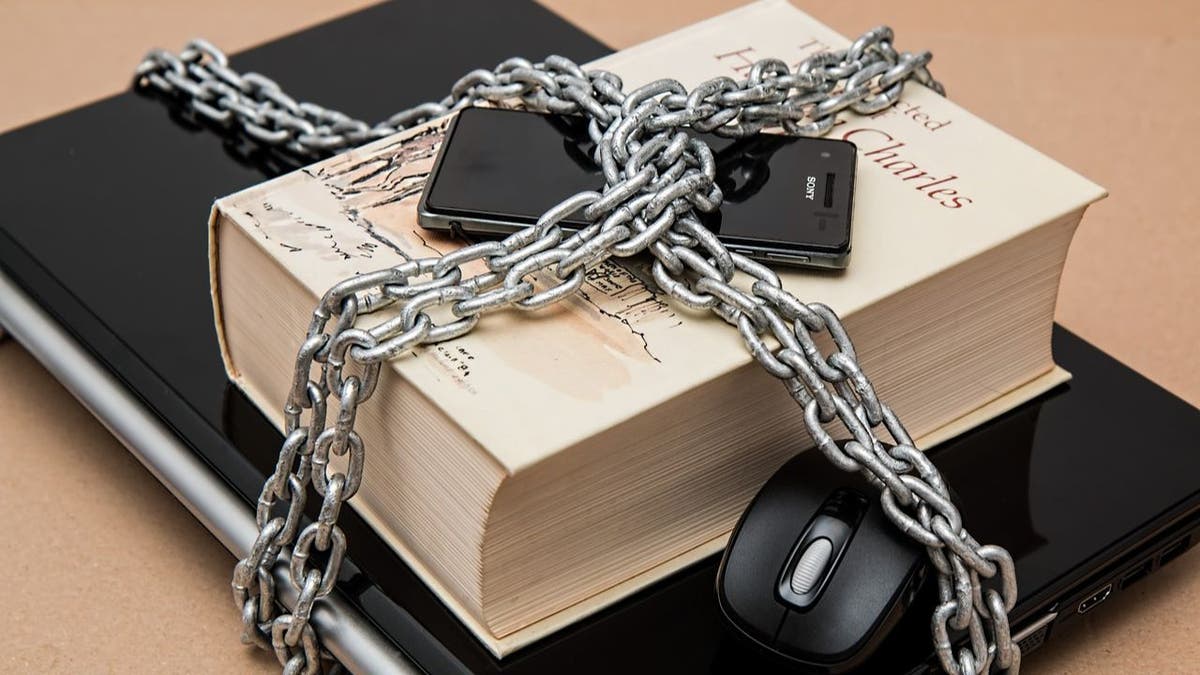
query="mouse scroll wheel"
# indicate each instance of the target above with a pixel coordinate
(811, 567)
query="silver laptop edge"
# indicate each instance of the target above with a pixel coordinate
(345, 632)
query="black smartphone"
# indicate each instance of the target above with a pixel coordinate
(787, 200)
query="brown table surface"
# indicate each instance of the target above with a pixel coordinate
(106, 572)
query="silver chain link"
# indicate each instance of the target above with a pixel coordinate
(656, 179)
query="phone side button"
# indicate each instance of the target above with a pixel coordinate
(788, 258)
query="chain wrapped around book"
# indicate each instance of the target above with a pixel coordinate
(657, 178)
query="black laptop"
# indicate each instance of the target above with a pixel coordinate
(104, 277)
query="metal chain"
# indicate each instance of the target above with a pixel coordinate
(656, 179)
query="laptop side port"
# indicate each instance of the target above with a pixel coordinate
(1137, 574)
(1034, 635)
(1089, 603)
(1173, 551)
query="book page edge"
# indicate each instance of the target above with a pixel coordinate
(1039, 385)
(216, 215)
(501, 647)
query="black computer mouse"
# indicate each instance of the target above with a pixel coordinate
(815, 572)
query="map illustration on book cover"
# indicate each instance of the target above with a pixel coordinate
(377, 194)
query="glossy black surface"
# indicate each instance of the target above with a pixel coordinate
(867, 584)
(102, 220)
(512, 166)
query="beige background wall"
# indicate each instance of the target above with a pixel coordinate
(107, 573)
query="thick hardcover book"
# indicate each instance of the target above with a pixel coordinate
(130, 286)
(534, 471)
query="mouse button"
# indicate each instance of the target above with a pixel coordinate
(760, 546)
(772, 525)
(810, 568)
(840, 628)
(804, 576)
(883, 550)
(755, 553)
(863, 599)
(754, 612)
(823, 637)
(744, 598)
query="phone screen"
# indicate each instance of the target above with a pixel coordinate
(783, 195)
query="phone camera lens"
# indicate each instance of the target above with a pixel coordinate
(824, 155)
